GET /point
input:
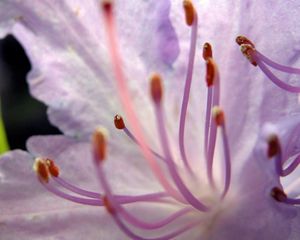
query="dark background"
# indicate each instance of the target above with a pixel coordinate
(23, 115)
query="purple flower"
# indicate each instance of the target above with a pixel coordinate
(164, 171)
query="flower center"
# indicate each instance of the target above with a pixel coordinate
(177, 182)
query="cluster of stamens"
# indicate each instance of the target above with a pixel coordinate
(177, 189)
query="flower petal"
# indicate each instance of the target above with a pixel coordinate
(70, 73)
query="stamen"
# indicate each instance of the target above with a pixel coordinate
(278, 194)
(207, 51)
(240, 40)
(133, 138)
(274, 150)
(190, 13)
(119, 122)
(156, 89)
(84, 201)
(256, 58)
(99, 145)
(213, 99)
(190, 198)
(188, 82)
(41, 170)
(219, 117)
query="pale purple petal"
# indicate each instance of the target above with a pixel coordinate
(70, 72)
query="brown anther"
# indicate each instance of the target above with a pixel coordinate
(210, 72)
(243, 40)
(248, 51)
(99, 145)
(119, 122)
(107, 5)
(207, 51)
(41, 169)
(218, 115)
(156, 88)
(53, 169)
(190, 12)
(273, 146)
(108, 205)
(278, 194)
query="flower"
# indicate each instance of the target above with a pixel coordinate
(185, 192)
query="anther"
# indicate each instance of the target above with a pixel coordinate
(207, 51)
(190, 12)
(278, 194)
(273, 146)
(108, 205)
(41, 170)
(119, 122)
(244, 40)
(156, 88)
(248, 50)
(99, 145)
(210, 72)
(218, 115)
(52, 168)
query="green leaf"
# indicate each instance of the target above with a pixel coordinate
(4, 147)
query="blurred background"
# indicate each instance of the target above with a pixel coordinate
(23, 116)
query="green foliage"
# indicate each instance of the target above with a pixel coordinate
(3, 140)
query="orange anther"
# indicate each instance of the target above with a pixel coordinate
(99, 145)
(207, 51)
(156, 88)
(218, 115)
(119, 123)
(190, 12)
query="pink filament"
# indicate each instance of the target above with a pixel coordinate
(127, 104)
